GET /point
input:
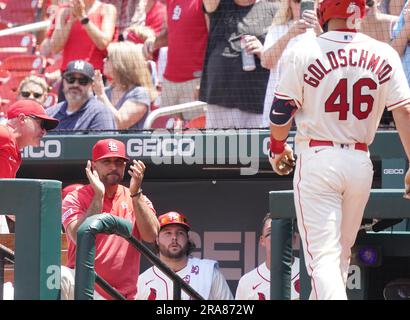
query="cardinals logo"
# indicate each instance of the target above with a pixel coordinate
(152, 294)
(261, 296)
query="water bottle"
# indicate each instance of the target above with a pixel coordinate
(248, 59)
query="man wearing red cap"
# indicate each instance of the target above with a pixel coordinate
(27, 122)
(174, 248)
(116, 261)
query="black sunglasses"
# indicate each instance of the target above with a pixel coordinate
(82, 81)
(43, 124)
(27, 94)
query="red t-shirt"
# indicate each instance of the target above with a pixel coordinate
(187, 40)
(79, 45)
(116, 261)
(155, 16)
(10, 156)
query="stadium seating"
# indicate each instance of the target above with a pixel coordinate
(13, 44)
(19, 11)
(24, 63)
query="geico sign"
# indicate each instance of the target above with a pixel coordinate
(393, 171)
(160, 147)
(47, 149)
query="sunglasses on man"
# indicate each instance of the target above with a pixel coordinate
(42, 122)
(83, 81)
(28, 94)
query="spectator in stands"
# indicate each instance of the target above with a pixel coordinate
(185, 32)
(394, 7)
(131, 91)
(81, 110)
(235, 97)
(138, 34)
(155, 17)
(82, 29)
(116, 261)
(255, 285)
(128, 12)
(33, 87)
(174, 248)
(286, 30)
(27, 122)
(376, 24)
(401, 36)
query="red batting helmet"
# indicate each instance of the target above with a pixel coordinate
(342, 9)
(173, 218)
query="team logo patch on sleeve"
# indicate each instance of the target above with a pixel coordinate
(68, 213)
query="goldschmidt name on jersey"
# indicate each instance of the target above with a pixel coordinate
(342, 58)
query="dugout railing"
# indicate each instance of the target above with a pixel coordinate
(109, 224)
(383, 204)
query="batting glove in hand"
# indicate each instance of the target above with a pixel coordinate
(407, 185)
(283, 163)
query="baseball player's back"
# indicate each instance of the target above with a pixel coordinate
(344, 88)
(336, 91)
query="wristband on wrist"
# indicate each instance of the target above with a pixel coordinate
(85, 20)
(276, 146)
(139, 192)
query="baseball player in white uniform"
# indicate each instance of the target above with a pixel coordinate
(255, 285)
(174, 247)
(336, 91)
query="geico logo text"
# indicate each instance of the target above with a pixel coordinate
(393, 171)
(47, 149)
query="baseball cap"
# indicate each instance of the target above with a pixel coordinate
(80, 66)
(109, 148)
(173, 218)
(31, 108)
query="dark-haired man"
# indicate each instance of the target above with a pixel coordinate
(174, 248)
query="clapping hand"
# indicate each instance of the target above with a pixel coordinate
(98, 84)
(94, 180)
(407, 185)
(136, 172)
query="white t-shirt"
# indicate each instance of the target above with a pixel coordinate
(255, 285)
(202, 275)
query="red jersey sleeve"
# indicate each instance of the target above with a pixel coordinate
(72, 209)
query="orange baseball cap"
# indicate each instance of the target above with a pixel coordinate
(173, 218)
(109, 148)
(32, 108)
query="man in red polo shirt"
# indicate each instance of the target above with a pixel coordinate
(116, 261)
(26, 123)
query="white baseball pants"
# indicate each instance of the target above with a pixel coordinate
(331, 189)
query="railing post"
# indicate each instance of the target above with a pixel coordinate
(281, 255)
(37, 207)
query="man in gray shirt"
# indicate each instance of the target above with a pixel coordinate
(81, 110)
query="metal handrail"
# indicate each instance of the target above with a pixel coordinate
(31, 27)
(178, 108)
(109, 224)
